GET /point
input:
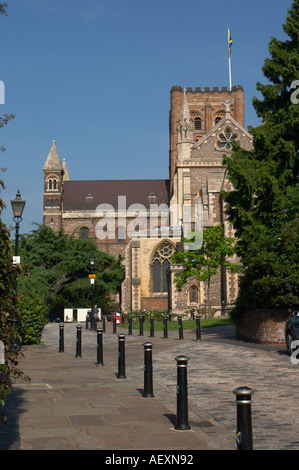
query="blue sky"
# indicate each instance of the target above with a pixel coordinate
(96, 77)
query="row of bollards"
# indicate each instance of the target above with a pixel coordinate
(243, 394)
(152, 327)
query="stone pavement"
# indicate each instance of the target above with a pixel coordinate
(73, 404)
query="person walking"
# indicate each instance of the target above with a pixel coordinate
(95, 312)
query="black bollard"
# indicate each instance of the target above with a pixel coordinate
(130, 325)
(86, 322)
(152, 327)
(79, 341)
(99, 347)
(244, 425)
(165, 326)
(198, 332)
(114, 324)
(121, 357)
(148, 371)
(104, 324)
(181, 334)
(61, 338)
(141, 320)
(182, 394)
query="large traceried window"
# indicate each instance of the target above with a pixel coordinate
(160, 264)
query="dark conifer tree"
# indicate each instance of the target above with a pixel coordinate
(264, 206)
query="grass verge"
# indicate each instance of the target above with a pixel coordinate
(187, 324)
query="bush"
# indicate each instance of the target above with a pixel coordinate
(33, 312)
(158, 315)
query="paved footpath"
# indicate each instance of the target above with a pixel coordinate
(71, 403)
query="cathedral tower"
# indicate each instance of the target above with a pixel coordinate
(205, 109)
(53, 178)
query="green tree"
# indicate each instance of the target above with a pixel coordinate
(205, 262)
(9, 315)
(57, 267)
(263, 208)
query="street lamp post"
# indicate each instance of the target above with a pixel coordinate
(17, 206)
(92, 279)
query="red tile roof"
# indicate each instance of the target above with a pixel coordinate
(87, 195)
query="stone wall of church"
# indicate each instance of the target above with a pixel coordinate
(180, 301)
(73, 225)
(52, 219)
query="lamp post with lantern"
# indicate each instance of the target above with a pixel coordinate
(17, 206)
(92, 279)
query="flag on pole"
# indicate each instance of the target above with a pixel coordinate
(230, 42)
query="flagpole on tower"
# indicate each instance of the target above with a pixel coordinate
(230, 42)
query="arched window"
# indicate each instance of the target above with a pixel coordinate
(197, 124)
(193, 295)
(218, 116)
(47, 203)
(50, 184)
(56, 202)
(54, 184)
(84, 233)
(160, 264)
(52, 202)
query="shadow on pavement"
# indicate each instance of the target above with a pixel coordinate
(9, 431)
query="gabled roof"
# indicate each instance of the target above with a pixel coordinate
(53, 162)
(226, 120)
(87, 195)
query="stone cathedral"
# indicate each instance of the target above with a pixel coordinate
(202, 125)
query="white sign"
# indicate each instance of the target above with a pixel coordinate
(16, 260)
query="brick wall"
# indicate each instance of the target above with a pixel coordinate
(154, 303)
(263, 326)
